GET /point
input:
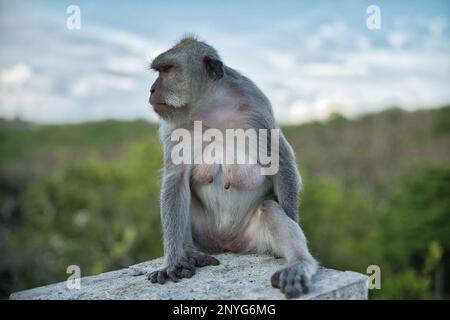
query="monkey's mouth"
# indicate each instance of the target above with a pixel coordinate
(162, 108)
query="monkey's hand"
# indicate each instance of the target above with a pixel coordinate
(182, 267)
(294, 280)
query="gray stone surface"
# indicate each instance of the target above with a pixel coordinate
(237, 277)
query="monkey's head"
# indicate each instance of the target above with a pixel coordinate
(185, 73)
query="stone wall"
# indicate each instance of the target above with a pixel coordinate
(237, 277)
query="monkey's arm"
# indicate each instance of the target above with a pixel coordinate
(175, 218)
(287, 182)
(175, 204)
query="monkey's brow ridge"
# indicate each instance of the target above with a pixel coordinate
(158, 64)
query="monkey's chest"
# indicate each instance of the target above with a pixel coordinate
(237, 176)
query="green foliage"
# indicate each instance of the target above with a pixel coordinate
(339, 224)
(95, 214)
(20, 140)
(407, 235)
(417, 214)
(411, 283)
(415, 232)
(407, 285)
(88, 195)
(372, 152)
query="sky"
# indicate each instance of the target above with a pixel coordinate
(311, 59)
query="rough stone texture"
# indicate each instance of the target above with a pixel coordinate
(237, 277)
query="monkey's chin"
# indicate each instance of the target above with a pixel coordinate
(162, 108)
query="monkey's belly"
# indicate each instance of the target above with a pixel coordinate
(220, 215)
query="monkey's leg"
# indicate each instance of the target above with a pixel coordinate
(183, 264)
(272, 229)
(198, 258)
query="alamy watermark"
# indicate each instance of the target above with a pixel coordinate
(73, 282)
(374, 279)
(237, 146)
(373, 21)
(73, 21)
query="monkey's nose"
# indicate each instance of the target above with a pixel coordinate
(152, 90)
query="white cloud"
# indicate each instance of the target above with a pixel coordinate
(35, 99)
(280, 59)
(93, 74)
(335, 33)
(99, 72)
(342, 71)
(101, 84)
(129, 65)
(347, 68)
(133, 43)
(16, 75)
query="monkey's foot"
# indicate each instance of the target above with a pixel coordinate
(293, 280)
(201, 260)
(183, 267)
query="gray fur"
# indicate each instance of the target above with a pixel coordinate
(199, 216)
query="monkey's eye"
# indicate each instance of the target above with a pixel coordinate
(165, 68)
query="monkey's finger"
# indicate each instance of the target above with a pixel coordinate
(172, 275)
(162, 277)
(200, 262)
(178, 272)
(283, 281)
(192, 260)
(293, 287)
(305, 284)
(187, 273)
(290, 276)
(185, 263)
(290, 289)
(153, 276)
(206, 260)
(275, 279)
(291, 292)
(297, 282)
(211, 261)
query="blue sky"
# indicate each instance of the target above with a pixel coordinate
(310, 58)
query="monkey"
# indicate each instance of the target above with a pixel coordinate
(212, 208)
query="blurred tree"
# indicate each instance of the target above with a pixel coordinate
(95, 214)
(415, 230)
(100, 209)
(339, 224)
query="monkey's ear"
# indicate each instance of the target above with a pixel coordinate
(214, 67)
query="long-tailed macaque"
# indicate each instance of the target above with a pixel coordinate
(209, 208)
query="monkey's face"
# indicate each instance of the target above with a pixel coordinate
(185, 72)
(171, 89)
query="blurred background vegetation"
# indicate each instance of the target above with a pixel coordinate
(377, 191)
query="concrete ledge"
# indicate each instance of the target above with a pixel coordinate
(237, 277)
